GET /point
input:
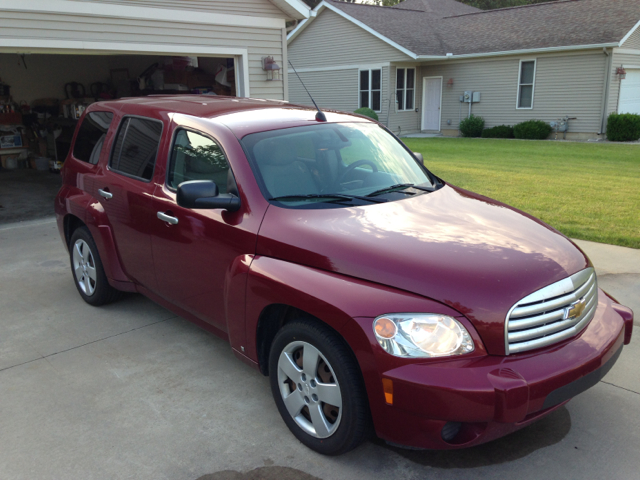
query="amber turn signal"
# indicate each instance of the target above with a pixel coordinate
(387, 385)
(385, 328)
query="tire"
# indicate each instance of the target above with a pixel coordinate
(87, 270)
(331, 374)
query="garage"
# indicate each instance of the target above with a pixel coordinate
(630, 92)
(59, 56)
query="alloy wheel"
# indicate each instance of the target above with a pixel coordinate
(84, 266)
(309, 389)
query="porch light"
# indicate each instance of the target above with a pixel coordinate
(270, 66)
(621, 72)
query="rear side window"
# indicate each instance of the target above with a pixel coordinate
(136, 147)
(91, 136)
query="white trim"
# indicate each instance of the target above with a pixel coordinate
(404, 90)
(631, 32)
(424, 101)
(631, 67)
(371, 90)
(45, 45)
(533, 85)
(519, 52)
(316, 11)
(94, 9)
(631, 51)
(296, 5)
(374, 66)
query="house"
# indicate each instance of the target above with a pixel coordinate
(414, 62)
(47, 44)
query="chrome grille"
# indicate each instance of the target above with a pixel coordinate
(553, 313)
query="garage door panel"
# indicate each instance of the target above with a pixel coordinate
(630, 92)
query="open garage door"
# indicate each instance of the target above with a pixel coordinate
(630, 92)
(42, 96)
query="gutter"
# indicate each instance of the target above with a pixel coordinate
(518, 52)
(607, 90)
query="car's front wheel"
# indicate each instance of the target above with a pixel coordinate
(318, 388)
(88, 273)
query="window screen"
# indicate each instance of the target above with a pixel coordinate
(371, 89)
(196, 157)
(405, 86)
(525, 89)
(91, 136)
(136, 147)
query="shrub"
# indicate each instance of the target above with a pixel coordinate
(472, 126)
(623, 127)
(502, 131)
(367, 112)
(532, 130)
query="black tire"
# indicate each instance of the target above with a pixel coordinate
(95, 291)
(352, 424)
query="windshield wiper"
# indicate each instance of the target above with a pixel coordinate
(399, 186)
(335, 196)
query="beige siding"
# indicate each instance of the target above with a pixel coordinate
(619, 59)
(332, 40)
(254, 8)
(570, 84)
(258, 41)
(401, 122)
(335, 89)
(633, 41)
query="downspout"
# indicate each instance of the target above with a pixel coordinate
(607, 89)
(389, 95)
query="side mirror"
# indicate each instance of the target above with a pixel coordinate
(204, 194)
(419, 157)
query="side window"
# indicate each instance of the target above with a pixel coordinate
(91, 136)
(196, 157)
(136, 147)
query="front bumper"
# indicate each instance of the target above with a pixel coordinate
(490, 396)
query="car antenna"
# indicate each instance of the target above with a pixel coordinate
(320, 116)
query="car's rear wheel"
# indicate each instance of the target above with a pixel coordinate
(318, 388)
(87, 270)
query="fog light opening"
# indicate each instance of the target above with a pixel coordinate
(450, 430)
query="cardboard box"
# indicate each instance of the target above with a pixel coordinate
(10, 141)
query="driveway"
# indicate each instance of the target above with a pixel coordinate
(132, 391)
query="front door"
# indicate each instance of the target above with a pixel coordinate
(432, 93)
(195, 250)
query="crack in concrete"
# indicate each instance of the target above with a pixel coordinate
(44, 357)
(622, 388)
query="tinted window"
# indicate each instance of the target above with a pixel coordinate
(196, 157)
(91, 136)
(136, 147)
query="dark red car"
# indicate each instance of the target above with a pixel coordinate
(371, 292)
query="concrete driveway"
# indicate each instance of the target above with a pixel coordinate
(132, 391)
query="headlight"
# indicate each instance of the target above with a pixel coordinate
(422, 335)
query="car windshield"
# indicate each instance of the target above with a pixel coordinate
(334, 164)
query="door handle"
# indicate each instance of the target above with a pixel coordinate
(167, 218)
(105, 194)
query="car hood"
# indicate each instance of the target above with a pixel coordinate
(474, 254)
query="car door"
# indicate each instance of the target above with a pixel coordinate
(125, 191)
(198, 253)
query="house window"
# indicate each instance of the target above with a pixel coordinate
(526, 81)
(405, 88)
(371, 89)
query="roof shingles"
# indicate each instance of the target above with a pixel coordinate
(438, 27)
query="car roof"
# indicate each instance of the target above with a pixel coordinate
(242, 115)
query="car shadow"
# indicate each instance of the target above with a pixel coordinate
(261, 473)
(543, 433)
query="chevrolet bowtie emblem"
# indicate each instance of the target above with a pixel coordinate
(575, 309)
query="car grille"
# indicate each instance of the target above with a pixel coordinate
(553, 313)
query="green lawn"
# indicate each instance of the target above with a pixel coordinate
(587, 191)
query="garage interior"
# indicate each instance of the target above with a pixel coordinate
(42, 96)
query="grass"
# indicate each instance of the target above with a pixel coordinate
(587, 191)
